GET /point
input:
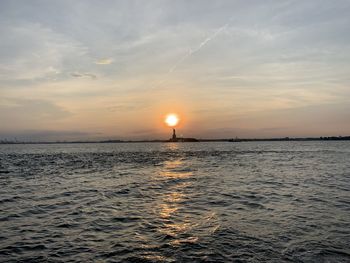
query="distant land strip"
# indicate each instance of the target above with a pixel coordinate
(331, 138)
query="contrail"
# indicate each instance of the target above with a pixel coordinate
(200, 46)
(193, 51)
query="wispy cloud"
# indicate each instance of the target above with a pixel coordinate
(32, 51)
(82, 75)
(104, 61)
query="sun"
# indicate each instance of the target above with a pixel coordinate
(172, 120)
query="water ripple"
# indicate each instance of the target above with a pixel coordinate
(195, 202)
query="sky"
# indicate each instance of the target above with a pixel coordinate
(92, 70)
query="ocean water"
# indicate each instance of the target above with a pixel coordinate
(175, 202)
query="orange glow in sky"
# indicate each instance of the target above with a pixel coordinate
(172, 120)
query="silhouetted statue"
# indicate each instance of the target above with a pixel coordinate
(181, 139)
(174, 135)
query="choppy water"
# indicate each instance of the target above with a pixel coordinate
(168, 202)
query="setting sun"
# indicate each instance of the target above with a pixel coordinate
(172, 120)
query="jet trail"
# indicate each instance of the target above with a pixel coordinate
(191, 52)
(201, 45)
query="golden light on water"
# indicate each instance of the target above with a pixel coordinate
(172, 120)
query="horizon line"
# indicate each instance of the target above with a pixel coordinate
(236, 139)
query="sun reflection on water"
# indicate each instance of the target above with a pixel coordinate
(174, 224)
(172, 146)
(178, 224)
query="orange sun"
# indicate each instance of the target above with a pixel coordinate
(172, 120)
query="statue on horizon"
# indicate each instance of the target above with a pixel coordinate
(174, 135)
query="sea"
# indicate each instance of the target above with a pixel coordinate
(175, 202)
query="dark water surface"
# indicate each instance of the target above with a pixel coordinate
(169, 202)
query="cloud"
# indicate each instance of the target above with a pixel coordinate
(125, 107)
(105, 61)
(25, 113)
(31, 51)
(82, 75)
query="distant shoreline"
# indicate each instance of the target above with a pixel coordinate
(331, 138)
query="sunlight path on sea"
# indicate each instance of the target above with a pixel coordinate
(178, 223)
